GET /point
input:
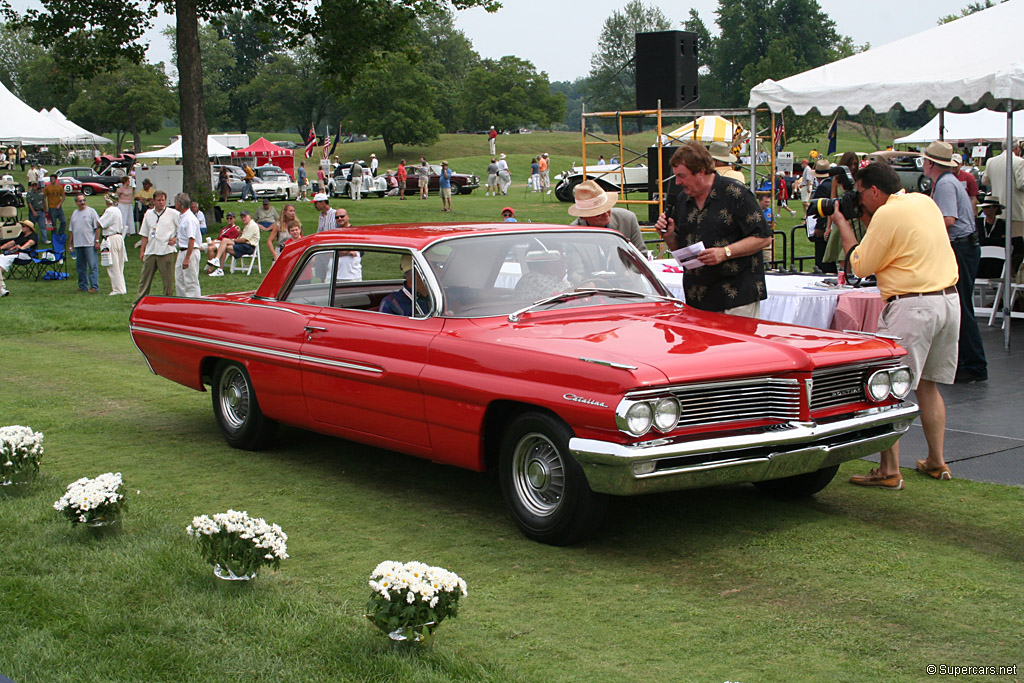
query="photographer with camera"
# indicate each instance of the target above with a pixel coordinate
(822, 207)
(843, 172)
(906, 246)
(958, 214)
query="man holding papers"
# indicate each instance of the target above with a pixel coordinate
(724, 215)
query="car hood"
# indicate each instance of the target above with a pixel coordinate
(665, 344)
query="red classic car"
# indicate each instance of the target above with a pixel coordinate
(552, 354)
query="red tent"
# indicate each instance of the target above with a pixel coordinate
(263, 153)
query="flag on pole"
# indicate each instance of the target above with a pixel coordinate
(780, 133)
(337, 137)
(310, 142)
(327, 143)
(832, 129)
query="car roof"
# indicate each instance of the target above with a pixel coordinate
(892, 154)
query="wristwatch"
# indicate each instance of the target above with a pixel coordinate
(728, 252)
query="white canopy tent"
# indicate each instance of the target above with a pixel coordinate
(22, 124)
(173, 151)
(921, 68)
(983, 125)
(79, 135)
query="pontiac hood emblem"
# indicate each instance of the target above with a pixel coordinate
(581, 399)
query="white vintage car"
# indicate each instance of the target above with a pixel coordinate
(337, 184)
(276, 185)
(607, 176)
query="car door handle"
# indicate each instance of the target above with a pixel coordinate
(310, 329)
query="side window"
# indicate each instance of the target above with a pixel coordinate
(409, 295)
(313, 284)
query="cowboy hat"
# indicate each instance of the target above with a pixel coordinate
(591, 200)
(940, 153)
(27, 224)
(720, 151)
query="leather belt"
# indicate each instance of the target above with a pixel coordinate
(948, 290)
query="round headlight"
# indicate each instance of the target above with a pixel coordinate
(901, 379)
(639, 418)
(879, 386)
(666, 414)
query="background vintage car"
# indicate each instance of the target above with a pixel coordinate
(909, 166)
(236, 179)
(462, 183)
(550, 354)
(86, 175)
(273, 182)
(337, 183)
(607, 176)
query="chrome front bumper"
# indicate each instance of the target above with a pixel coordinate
(794, 448)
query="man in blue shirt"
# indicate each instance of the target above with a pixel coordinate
(956, 208)
(401, 302)
(445, 183)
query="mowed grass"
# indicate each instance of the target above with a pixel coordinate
(709, 585)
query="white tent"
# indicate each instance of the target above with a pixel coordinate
(708, 129)
(22, 124)
(80, 135)
(925, 67)
(173, 151)
(983, 125)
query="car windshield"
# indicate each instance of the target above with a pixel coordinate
(501, 274)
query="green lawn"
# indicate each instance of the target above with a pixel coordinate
(709, 585)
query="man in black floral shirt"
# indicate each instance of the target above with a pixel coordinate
(723, 214)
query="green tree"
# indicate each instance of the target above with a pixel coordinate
(395, 101)
(218, 58)
(289, 92)
(130, 100)
(447, 56)
(971, 8)
(17, 55)
(91, 36)
(575, 94)
(612, 80)
(510, 93)
(255, 44)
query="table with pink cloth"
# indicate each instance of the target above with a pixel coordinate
(795, 299)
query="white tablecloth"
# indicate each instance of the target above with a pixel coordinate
(791, 298)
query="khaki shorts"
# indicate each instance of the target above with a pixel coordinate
(805, 194)
(928, 327)
(446, 193)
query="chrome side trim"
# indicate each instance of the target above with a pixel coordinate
(608, 363)
(275, 353)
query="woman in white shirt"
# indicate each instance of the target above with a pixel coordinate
(113, 242)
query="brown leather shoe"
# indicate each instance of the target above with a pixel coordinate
(893, 482)
(942, 473)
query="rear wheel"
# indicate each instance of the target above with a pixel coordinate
(799, 485)
(88, 191)
(544, 487)
(455, 189)
(564, 190)
(237, 410)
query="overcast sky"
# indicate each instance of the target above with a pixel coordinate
(559, 36)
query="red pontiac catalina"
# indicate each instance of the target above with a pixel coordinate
(550, 353)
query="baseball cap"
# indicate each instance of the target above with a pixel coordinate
(320, 197)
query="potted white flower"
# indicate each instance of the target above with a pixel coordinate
(237, 545)
(409, 601)
(20, 452)
(96, 503)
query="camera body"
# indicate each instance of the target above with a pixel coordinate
(848, 204)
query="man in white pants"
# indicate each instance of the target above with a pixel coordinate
(504, 176)
(186, 267)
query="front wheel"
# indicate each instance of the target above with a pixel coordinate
(544, 487)
(88, 191)
(799, 485)
(456, 189)
(564, 190)
(237, 410)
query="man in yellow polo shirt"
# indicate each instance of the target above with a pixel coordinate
(908, 250)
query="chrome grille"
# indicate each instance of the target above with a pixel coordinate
(756, 399)
(841, 386)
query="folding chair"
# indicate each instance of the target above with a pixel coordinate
(51, 264)
(982, 285)
(9, 228)
(238, 262)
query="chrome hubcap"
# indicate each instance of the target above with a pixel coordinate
(538, 474)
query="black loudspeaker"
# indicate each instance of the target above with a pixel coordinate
(667, 176)
(666, 69)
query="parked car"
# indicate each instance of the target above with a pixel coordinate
(909, 166)
(607, 176)
(550, 354)
(274, 185)
(86, 175)
(462, 183)
(236, 178)
(115, 165)
(286, 144)
(73, 186)
(337, 184)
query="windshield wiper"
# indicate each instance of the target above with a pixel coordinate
(582, 292)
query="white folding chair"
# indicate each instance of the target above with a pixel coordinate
(982, 285)
(238, 262)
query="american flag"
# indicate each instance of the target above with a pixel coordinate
(310, 142)
(327, 144)
(780, 133)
